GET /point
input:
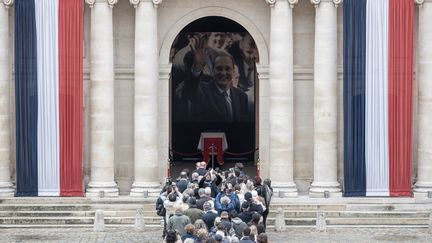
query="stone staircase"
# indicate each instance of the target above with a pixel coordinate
(120, 212)
(73, 212)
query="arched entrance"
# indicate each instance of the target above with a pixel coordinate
(167, 39)
(214, 90)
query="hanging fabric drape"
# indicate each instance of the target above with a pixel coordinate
(376, 99)
(26, 96)
(354, 27)
(401, 75)
(71, 96)
(378, 76)
(48, 57)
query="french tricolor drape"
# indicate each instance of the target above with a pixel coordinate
(378, 79)
(48, 92)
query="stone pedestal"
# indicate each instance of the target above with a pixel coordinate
(325, 101)
(102, 101)
(281, 99)
(6, 189)
(146, 100)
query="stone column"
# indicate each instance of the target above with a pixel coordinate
(424, 77)
(281, 98)
(6, 189)
(146, 99)
(102, 100)
(325, 99)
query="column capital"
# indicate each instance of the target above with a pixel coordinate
(336, 3)
(135, 3)
(272, 3)
(111, 3)
(421, 2)
(7, 3)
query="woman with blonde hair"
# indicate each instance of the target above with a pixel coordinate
(200, 224)
(254, 232)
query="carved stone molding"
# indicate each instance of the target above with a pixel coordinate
(292, 3)
(111, 3)
(421, 2)
(8, 3)
(135, 3)
(273, 2)
(317, 2)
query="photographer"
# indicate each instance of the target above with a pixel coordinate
(173, 200)
(211, 179)
(227, 199)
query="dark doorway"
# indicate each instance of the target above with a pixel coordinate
(200, 86)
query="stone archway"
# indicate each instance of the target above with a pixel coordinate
(164, 75)
(214, 11)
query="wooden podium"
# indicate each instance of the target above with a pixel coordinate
(213, 143)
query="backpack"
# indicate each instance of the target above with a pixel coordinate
(160, 209)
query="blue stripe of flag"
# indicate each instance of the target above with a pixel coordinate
(354, 33)
(26, 98)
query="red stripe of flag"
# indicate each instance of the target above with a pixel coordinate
(71, 96)
(401, 28)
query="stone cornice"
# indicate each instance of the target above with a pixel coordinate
(111, 3)
(7, 3)
(271, 3)
(135, 3)
(317, 2)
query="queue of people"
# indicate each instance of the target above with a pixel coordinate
(209, 206)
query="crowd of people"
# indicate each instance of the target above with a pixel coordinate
(214, 206)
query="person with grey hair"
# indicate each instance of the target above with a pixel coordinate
(178, 221)
(209, 215)
(194, 178)
(205, 197)
(193, 212)
(183, 182)
(226, 200)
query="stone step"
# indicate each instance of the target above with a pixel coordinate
(77, 200)
(351, 214)
(390, 207)
(294, 221)
(355, 221)
(311, 207)
(73, 220)
(120, 213)
(42, 226)
(73, 207)
(380, 221)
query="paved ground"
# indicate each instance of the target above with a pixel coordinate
(152, 235)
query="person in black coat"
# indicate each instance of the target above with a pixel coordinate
(245, 215)
(209, 215)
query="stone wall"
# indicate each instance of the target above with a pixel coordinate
(255, 15)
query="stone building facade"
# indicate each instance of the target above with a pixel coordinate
(127, 46)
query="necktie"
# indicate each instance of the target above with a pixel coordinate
(228, 105)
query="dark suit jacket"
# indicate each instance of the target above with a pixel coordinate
(244, 84)
(200, 100)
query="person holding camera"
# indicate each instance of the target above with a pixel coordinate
(211, 179)
(173, 199)
(226, 199)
